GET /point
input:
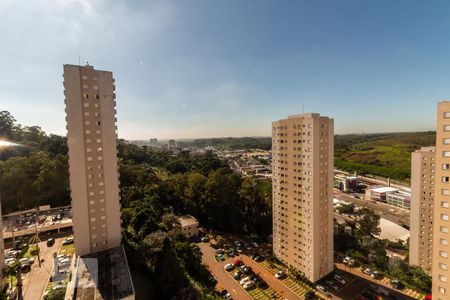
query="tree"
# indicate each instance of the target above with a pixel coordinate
(368, 223)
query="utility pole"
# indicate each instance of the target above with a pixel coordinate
(36, 238)
(19, 281)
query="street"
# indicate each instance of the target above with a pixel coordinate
(36, 280)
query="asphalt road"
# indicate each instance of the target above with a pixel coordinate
(394, 214)
(36, 280)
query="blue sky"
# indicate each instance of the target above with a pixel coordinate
(188, 69)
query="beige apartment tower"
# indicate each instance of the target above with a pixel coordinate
(422, 201)
(441, 215)
(302, 170)
(92, 141)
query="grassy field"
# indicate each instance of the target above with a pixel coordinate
(385, 154)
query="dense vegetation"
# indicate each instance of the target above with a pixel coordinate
(386, 155)
(155, 187)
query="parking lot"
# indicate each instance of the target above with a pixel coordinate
(345, 283)
(264, 285)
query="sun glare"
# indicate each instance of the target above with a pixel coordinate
(6, 144)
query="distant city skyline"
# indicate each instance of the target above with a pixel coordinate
(196, 69)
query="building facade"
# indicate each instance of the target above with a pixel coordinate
(189, 226)
(441, 213)
(302, 168)
(422, 201)
(92, 141)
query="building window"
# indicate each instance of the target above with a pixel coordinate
(443, 242)
(445, 179)
(446, 141)
(443, 266)
(84, 77)
(443, 254)
(444, 229)
(444, 217)
(442, 290)
(444, 204)
(445, 192)
(445, 153)
(445, 166)
(446, 115)
(442, 278)
(85, 86)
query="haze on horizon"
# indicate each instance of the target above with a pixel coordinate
(192, 69)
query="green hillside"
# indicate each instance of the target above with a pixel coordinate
(386, 154)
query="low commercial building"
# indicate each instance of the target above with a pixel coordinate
(400, 199)
(379, 193)
(189, 225)
(346, 183)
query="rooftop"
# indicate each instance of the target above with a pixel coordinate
(103, 275)
(385, 189)
(187, 221)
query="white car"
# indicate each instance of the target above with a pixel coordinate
(367, 271)
(228, 267)
(248, 285)
(339, 279)
(323, 290)
(280, 274)
(244, 281)
(26, 260)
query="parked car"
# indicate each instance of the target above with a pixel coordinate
(204, 239)
(225, 294)
(220, 251)
(246, 270)
(237, 243)
(25, 267)
(238, 275)
(248, 285)
(280, 274)
(50, 242)
(68, 241)
(339, 279)
(309, 295)
(332, 284)
(367, 271)
(244, 280)
(229, 267)
(396, 284)
(238, 262)
(259, 258)
(346, 260)
(323, 290)
(377, 275)
(26, 260)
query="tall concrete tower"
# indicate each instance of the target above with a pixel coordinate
(92, 141)
(302, 163)
(422, 200)
(441, 214)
